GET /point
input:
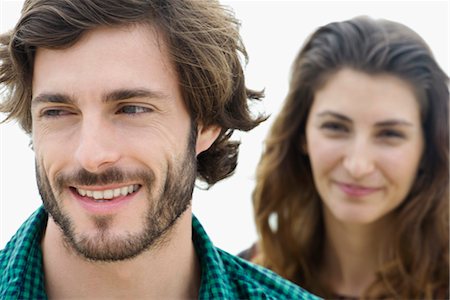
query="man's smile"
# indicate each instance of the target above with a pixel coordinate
(103, 195)
(106, 194)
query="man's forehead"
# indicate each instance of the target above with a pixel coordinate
(106, 62)
(135, 32)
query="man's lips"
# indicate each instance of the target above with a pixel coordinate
(99, 193)
(102, 200)
(357, 190)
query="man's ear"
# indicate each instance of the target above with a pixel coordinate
(206, 137)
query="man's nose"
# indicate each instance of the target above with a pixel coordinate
(358, 160)
(98, 148)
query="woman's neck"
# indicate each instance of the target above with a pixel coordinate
(351, 255)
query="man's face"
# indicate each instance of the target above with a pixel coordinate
(115, 149)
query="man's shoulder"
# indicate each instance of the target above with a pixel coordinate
(225, 276)
(21, 272)
(22, 241)
(256, 282)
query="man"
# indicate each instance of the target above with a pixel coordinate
(127, 103)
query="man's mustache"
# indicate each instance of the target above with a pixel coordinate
(83, 177)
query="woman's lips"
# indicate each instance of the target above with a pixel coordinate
(353, 190)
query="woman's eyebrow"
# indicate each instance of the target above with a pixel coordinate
(329, 113)
(393, 122)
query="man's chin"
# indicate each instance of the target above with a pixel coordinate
(107, 247)
(107, 241)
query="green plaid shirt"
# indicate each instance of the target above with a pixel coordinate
(224, 276)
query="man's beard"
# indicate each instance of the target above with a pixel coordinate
(166, 205)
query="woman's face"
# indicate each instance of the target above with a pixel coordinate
(365, 141)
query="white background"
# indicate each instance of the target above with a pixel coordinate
(273, 32)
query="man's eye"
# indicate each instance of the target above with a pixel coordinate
(53, 113)
(133, 109)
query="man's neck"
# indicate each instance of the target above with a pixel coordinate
(170, 271)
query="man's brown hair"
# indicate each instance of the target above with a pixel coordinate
(204, 45)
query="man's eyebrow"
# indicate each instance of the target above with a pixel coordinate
(124, 94)
(339, 116)
(117, 95)
(52, 98)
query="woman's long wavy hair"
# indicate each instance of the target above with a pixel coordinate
(204, 45)
(415, 263)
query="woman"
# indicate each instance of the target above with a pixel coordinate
(351, 198)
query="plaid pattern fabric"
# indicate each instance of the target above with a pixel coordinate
(21, 275)
(224, 276)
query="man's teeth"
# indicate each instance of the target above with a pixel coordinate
(109, 194)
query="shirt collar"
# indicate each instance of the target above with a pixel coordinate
(214, 281)
(24, 267)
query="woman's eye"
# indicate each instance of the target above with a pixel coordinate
(334, 127)
(389, 133)
(133, 109)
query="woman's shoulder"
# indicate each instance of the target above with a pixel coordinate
(249, 253)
